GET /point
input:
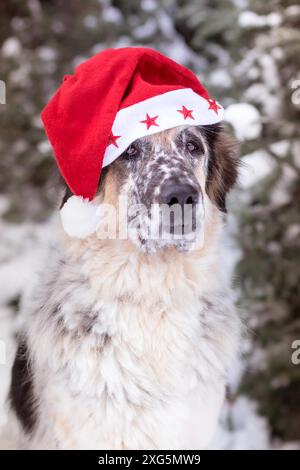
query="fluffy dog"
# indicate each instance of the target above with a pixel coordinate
(127, 342)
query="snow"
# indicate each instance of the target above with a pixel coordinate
(270, 73)
(260, 95)
(46, 53)
(277, 53)
(296, 153)
(292, 10)
(37, 122)
(244, 428)
(147, 29)
(220, 78)
(20, 75)
(90, 22)
(148, 5)
(245, 120)
(260, 164)
(167, 27)
(21, 254)
(292, 232)
(111, 14)
(256, 166)
(176, 48)
(98, 47)
(58, 26)
(249, 19)
(280, 193)
(280, 148)
(20, 146)
(4, 204)
(18, 24)
(11, 48)
(44, 147)
(79, 59)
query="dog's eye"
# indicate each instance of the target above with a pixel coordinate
(132, 150)
(192, 147)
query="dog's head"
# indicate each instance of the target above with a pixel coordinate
(165, 188)
(170, 183)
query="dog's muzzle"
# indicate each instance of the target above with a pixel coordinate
(180, 205)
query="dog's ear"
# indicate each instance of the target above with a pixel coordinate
(222, 164)
(68, 193)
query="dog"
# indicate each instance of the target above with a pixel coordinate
(127, 342)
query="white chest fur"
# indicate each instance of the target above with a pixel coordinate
(128, 352)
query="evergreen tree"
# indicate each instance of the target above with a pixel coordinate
(269, 232)
(252, 52)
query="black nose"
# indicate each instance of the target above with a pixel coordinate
(181, 194)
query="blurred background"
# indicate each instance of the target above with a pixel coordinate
(247, 53)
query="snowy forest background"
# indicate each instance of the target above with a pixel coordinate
(247, 53)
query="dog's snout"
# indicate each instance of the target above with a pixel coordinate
(182, 194)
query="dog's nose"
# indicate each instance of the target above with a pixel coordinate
(181, 194)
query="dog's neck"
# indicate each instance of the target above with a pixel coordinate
(117, 268)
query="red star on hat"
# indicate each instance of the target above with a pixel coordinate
(150, 121)
(187, 113)
(113, 139)
(214, 105)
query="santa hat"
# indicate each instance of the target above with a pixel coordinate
(112, 99)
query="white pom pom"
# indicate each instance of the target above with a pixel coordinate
(79, 217)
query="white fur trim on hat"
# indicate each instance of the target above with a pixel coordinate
(79, 217)
(130, 123)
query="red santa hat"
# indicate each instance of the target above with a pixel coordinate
(112, 99)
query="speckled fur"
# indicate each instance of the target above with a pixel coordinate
(129, 348)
